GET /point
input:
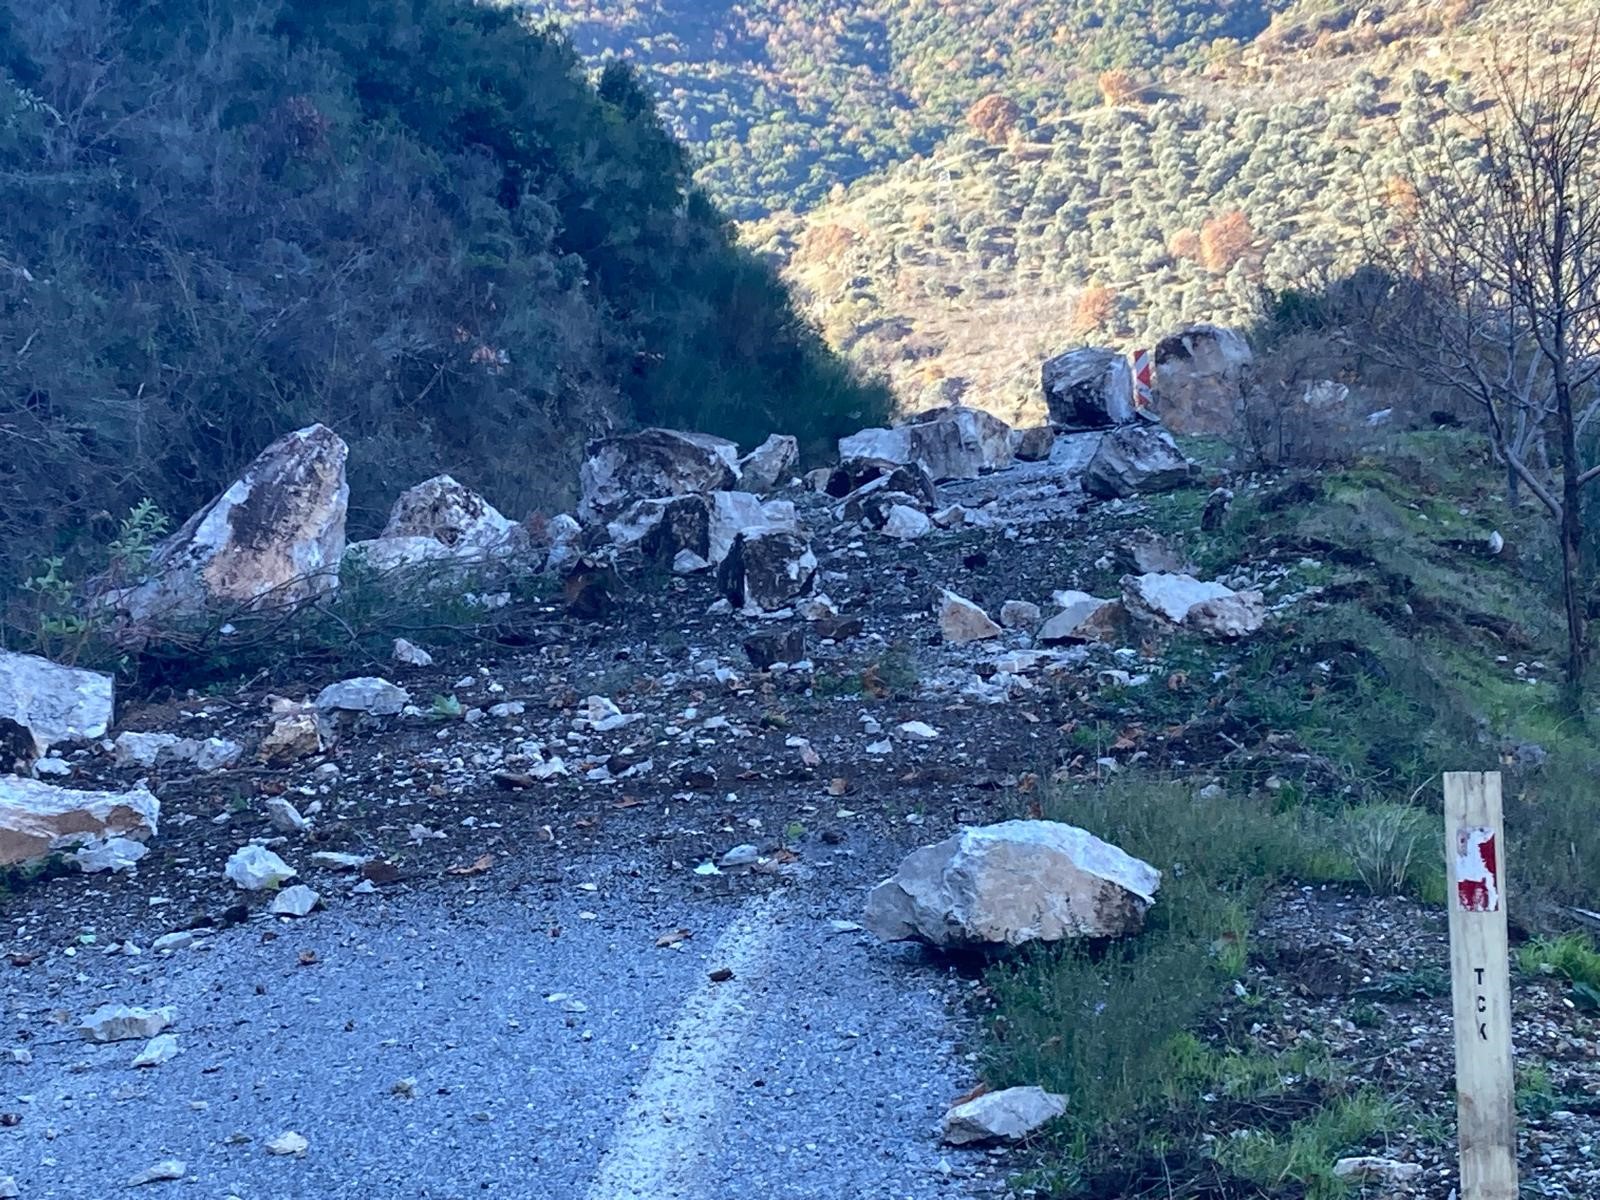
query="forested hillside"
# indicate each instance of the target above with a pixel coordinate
(786, 98)
(421, 223)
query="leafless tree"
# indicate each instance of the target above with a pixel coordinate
(1496, 256)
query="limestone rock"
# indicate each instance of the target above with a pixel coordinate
(1011, 883)
(1035, 444)
(1201, 376)
(961, 621)
(124, 1023)
(295, 901)
(54, 703)
(951, 443)
(769, 465)
(369, 694)
(767, 570)
(254, 868)
(1005, 1116)
(108, 854)
(1083, 618)
(1090, 388)
(274, 539)
(1209, 608)
(457, 518)
(411, 655)
(38, 818)
(1369, 1168)
(662, 528)
(733, 513)
(150, 749)
(906, 523)
(1136, 459)
(651, 464)
(296, 733)
(1020, 614)
(564, 543)
(162, 1048)
(854, 474)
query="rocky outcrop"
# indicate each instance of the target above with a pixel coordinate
(1209, 608)
(275, 538)
(652, 464)
(54, 703)
(951, 443)
(1016, 882)
(1088, 389)
(767, 570)
(37, 818)
(1201, 377)
(1135, 460)
(770, 465)
(1010, 1115)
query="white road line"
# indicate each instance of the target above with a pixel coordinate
(660, 1141)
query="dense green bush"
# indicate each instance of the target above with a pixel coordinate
(419, 222)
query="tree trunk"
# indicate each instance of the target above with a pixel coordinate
(1571, 547)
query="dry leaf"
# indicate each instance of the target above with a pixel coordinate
(626, 802)
(476, 867)
(839, 787)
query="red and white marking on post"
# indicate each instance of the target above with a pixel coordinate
(1480, 968)
(1143, 382)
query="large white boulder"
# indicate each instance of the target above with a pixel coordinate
(770, 464)
(1011, 883)
(1201, 374)
(275, 538)
(951, 443)
(651, 464)
(459, 518)
(1136, 459)
(1091, 388)
(54, 703)
(1009, 1115)
(39, 818)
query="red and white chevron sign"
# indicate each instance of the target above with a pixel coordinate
(1143, 379)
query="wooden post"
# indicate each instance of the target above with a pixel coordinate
(1480, 969)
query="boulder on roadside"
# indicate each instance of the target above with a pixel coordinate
(1134, 460)
(1090, 388)
(1035, 444)
(733, 513)
(962, 621)
(39, 818)
(1209, 608)
(54, 703)
(951, 443)
(1010, 1115)
(1201, 376)
(767, 570)
(1011, 883)
(769, 465)
(651, 464)
(125, 1023)
(854, 474)
(764, 649)
(153, 749)
(273, 539)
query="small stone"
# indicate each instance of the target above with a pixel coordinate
(284, 816)
(169, 942)
(162, 1172)
(410, 654)
(907, 523)
(961, 621)
(740, 856)
(1005, 1116)
(159, 1049)
(296, 901)
(122, 1023)
(918, 731)
(1373, 1169)
(1019, 614)
(287, 1143)
(254, 868)
(369, 694)
(8, 1188)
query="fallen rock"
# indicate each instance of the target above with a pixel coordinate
(733, 513)
(295, 901)
(663, 528)
(108, 854)
(1216, 509)
(1201, 376)
(563, 543)
(907, 523)
(1005, 1116)
(38, 818)
(854, 474)
(287, 1143)
(296, 733)
(274, 539)
(457, 518)
(767, 570)
(165, 1171)
(283, 816)
(1011, 883)
(1090, 388)
(951, 443)
(1083, 618)
(162, 1048)
(142, 749)
(1210, 608)
(1370, 1168)
(8, 1188)
(55, 704)
(410, 654)
(1035, 444)
(1145, 552)
(1136, 459)
(368, 694)
(651, 464)
(255, 868)
(152, 749)
(1020, 614)
(764, 649)
(770, 464)
(124, 1023)
(961, 621)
